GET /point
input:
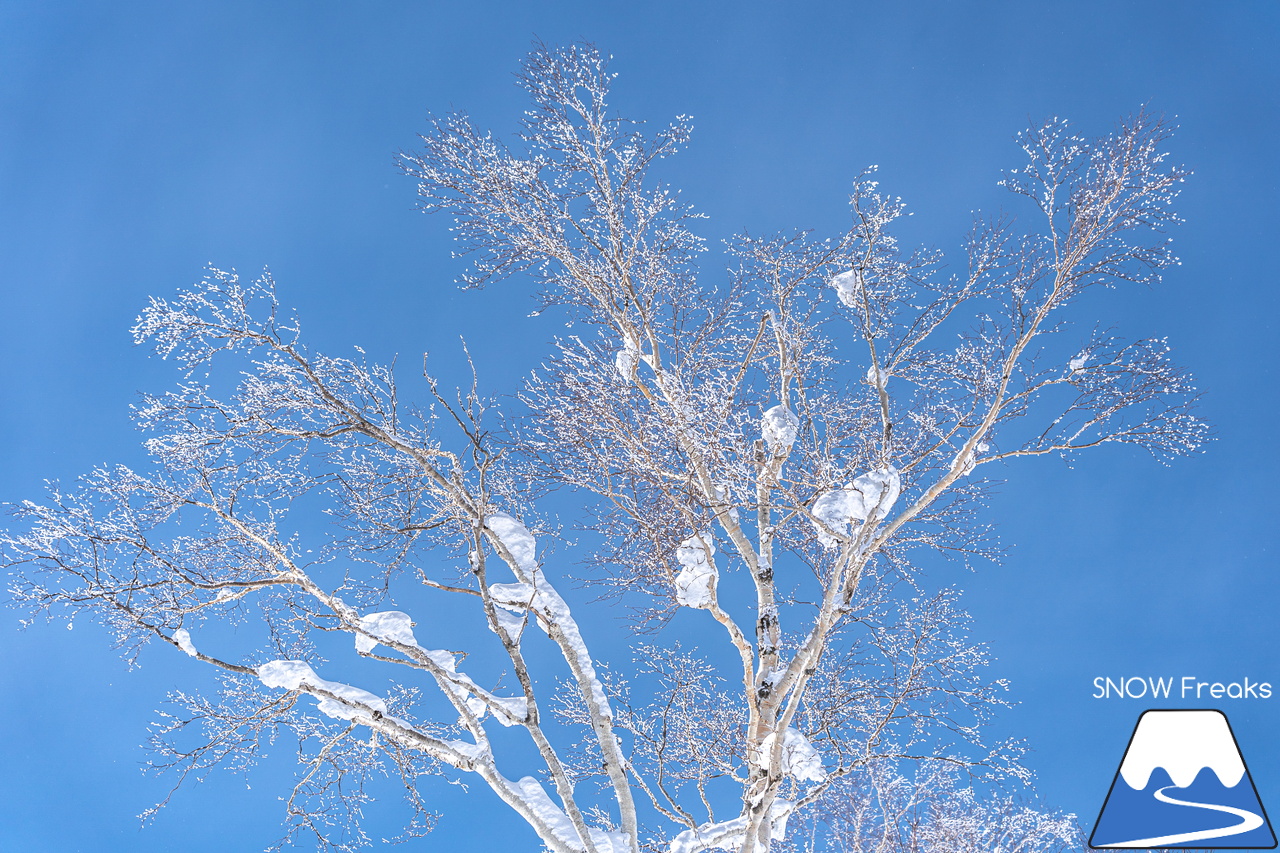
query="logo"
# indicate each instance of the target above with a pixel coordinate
(1183, 782)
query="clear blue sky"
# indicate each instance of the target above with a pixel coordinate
(139, 141)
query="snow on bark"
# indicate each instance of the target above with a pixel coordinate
(516, 538)
(535, 798)
(869, 497)
(728, 834)
(695, 585)
(298, 675)
(877, 376)
(473, 751)
(1078, 362)
(389, 625)
(626, 360)
(516, 597)
(846, 285)
(540, 597)
(508, 712)
(723, 494)
(511, 623)
(799, 758)
(183, 638)
(780, 426)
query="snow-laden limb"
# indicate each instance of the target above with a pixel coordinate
(387, 625)
(345, 702)
(799, 757)
(696, 582)
(780, 427)
(508, 711)
(540, 597)
(870, 497)
(848, 286)
(534, 591)
(626, 360)
(392, 626)
(877, 376)
(512, 623)
(729, 834)
(183, 638)
(531, 792)
(514, 599)
(298, 675)
(516, 538)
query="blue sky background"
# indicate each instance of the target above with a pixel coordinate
(139, 141)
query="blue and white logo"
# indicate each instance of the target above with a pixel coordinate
(1183, 782)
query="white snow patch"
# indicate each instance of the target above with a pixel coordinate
(722, 494)
(511, 623)
(298, 675)
(541, 598)
(868, 498)
(183, 638)
(799, 758)
(1078, 362)
(441, 658)
(626, 360)
(474, 751)
(696, 582)
(876, 376)
(510, 711)
(727, 835)
(846, 285)
(389, 625)
(535, 797)
(516, 597)
(773, 676)
(780, 426)
(515, 537)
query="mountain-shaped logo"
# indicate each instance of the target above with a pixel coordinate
(1183, 782)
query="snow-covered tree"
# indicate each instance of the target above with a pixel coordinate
(780, 448)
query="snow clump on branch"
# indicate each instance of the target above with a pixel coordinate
(183, 638)
(627, 359)
(728, 834)
(869, 497)
(780, 426)
(847, 287)
(298, 675)
(695, 585)
(799, 758)
(530, 790)
(389, 625)
(516, 538)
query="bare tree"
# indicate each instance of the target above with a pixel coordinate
(781, 451)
